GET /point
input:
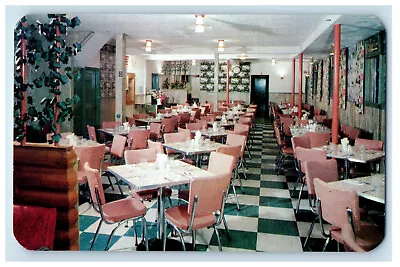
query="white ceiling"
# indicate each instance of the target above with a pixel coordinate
(259, 36)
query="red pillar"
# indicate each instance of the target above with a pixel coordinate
(293, 79)
(300, 101)
(23, 70)
(335, 97)
(227, 83)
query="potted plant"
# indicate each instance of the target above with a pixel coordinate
(44, 174)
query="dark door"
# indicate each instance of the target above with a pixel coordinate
(87, 111)
(260, 94)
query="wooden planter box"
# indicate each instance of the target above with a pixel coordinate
(45, 176)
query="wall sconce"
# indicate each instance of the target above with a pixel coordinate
(311, 60)
(332, 50)
(148, 46)
(273, 62)
(220, 46)
(282, 77)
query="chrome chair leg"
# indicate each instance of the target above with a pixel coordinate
(194, 240)
(298, 201)
(144, 233)
(299, 176)
(310, 231)
(181, 237)
(326, 243)
(228, 234)
(219, 240)
(164, 237)
(234, 193)
(111, 235)
(95, 235)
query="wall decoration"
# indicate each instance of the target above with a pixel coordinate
(311, 83)
(355, 77)
(107, 71)
(207, 76)
(343, 79)
(319, 81)
(325, 79)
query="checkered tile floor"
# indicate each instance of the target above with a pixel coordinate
(266, 220)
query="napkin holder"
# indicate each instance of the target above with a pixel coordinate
(162, 160)
(215, 126)
(126, 125)
(197, 138)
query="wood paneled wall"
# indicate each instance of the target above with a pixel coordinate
(107, 109)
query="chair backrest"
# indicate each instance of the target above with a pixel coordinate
(210, 193)
(349, 131)
(326, 170)
(239, 127)
(131, 121)
(234, 151)
(286, 123)
(320, 118)
(349, 239)
(137, 139)
(185, 117)
(221, 163)
(140, 155)
(318, 138)
(208, 118)
(368, 144)
(300, 141)
(157, 146)
(194, 126)
(94, 180)
(118, 146)
(169, 125)
(245, 120)
(334, 203)
(155, 128)
(140, 116)
(186, 131)
(278, 136)
(307, 154)
(174, 138)
(92, 154)
(233, 139)
(110, 124)
(217, 113)
(203, 123)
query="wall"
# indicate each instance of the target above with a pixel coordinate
(139, 66)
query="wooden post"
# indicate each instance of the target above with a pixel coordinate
(227, 82)
(336, 76)
(300, 86)
(293, 79)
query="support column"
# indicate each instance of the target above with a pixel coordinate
(300, 95)
(293, 79)
(216, 72)
(120, 77)
(24, 81)
(336, 77)
(227, 82)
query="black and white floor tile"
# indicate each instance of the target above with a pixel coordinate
(266, 221)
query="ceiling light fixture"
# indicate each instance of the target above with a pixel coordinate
(243, 56)
(193, 62)
(220, 46)
(273, 62)
(199, 23)
(148, 46)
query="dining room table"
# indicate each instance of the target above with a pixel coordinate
(297, 130)
(369, 187)
(158, 175)
(194, 148)
(351, 154)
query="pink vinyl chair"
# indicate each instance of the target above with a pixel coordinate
(117, 155)
(174, 138)
(299, 141)
(206, 198)
(110, 124)
(234, 151)
(194, 126)
(326, 170)
(169, 125)
(155, 131)
(91, 132)
(303, 156)
(188, 132)
(185, 118)
(339, 207)
(115, 212)
(145, 155)
(349, 239)
(204, 123)
(302, 122)
(368, 144)
(365, 169)
(318, 138)
(137, 139)
(233, 139)
(156, 145)
(92, 154)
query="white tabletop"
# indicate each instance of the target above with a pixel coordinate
(211, 133)
(191, 148)
(148, 175)
(336, 151)
(114, 131)
(370, 187)
(302, 130)
(149, 120)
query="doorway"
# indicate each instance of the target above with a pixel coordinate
(260, 94)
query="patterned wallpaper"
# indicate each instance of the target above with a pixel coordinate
(355, 77)
(107, 71)
(319, 81)
(325, 79)
(239, 82)
(343, 79)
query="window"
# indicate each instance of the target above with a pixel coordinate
(154, 81)
(375, 71)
